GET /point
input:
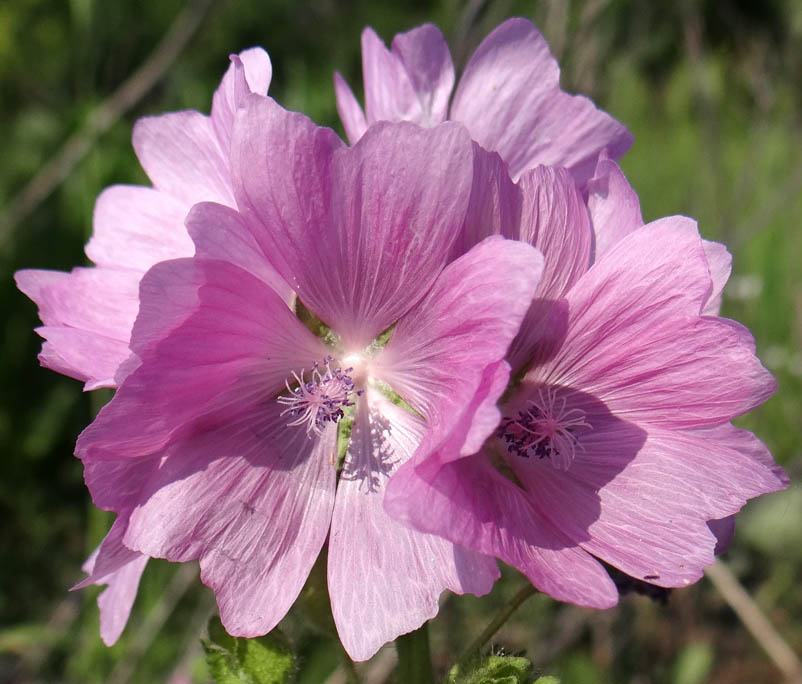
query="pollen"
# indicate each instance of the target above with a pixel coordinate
(545, 429)
(319, 400)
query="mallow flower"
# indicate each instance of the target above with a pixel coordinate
(247, 433)
(88, 313)
(614, 442)
(508, 97)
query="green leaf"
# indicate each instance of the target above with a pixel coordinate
(233, 660)
(499, 669)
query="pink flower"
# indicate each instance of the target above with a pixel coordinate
(221, 445)
(88, 313)
(616, 444)
(509, 97)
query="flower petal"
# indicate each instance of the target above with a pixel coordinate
(635, 338)
(439, 350)
(252, 499)
(360, 233)
(510, 99)
(642, 506)
(182, 156)
(213, 340)
(349, 109)
(720, 262)
(385, 579)
(135, 227)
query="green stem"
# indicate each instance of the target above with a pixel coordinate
(414, 657)
(475, 649)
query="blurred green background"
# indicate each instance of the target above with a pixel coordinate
(711, 89)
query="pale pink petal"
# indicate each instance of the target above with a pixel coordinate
(359, 233)
(510, 99)
(220, 233)
(424, 53)
(183, 158)
(469, 503)
(613, 205)
(120, 568)
(642, 506)
(252, 499)
(249, 72)
(135, 227)
(439, 350)
(385, 579)
(554, 219)
(213, 339)
(349, 109)
(720, 262)
(636, 341)
(389, 94)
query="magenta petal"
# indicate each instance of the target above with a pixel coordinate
(439, 350)
(117, 566)
(636, 341)
(136, 227)
(646, 509)
(351, 114)
(424, 53)
(613, 205)
(510, 99)
(181, 154)
(249, 72)
(213, 340)
(385, 579)
(555, 220)
(720, 262)
(346, 227)
(389, 94)
(252, 499)
(469, 503)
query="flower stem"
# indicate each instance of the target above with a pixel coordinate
(414, 657)
(475, 649)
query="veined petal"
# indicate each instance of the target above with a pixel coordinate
(249, 72)
(635, 338)
(440, 349)
(213, 341)
(252, 500)
(181, 154)
(135, 227)
(385, 579)
(510, 99)
(719, 260)
(360, 256)
(389, 94)
(349, 109)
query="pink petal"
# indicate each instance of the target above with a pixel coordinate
(182, 156)
(469, 503)
(554, 219)
(252, 499)
(510, 99)
(385, 579)
(114, 564)
(359, 233)
(720, 262)
(213, 340)
(439, 350)
(135, 227)
(389, 94)
(613, 205)
(220, 233)
(249, 72)
(424, 53)
(636, 341)
(642, 506)
(349, 109)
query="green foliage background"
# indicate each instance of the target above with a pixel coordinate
(711, 90)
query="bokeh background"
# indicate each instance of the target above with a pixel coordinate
(711, 89)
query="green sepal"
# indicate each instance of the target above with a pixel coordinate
(235, 660)
(498, 669)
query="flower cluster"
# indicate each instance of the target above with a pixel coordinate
(506, 363)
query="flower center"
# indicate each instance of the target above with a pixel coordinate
(545, 429)
(320, 400)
